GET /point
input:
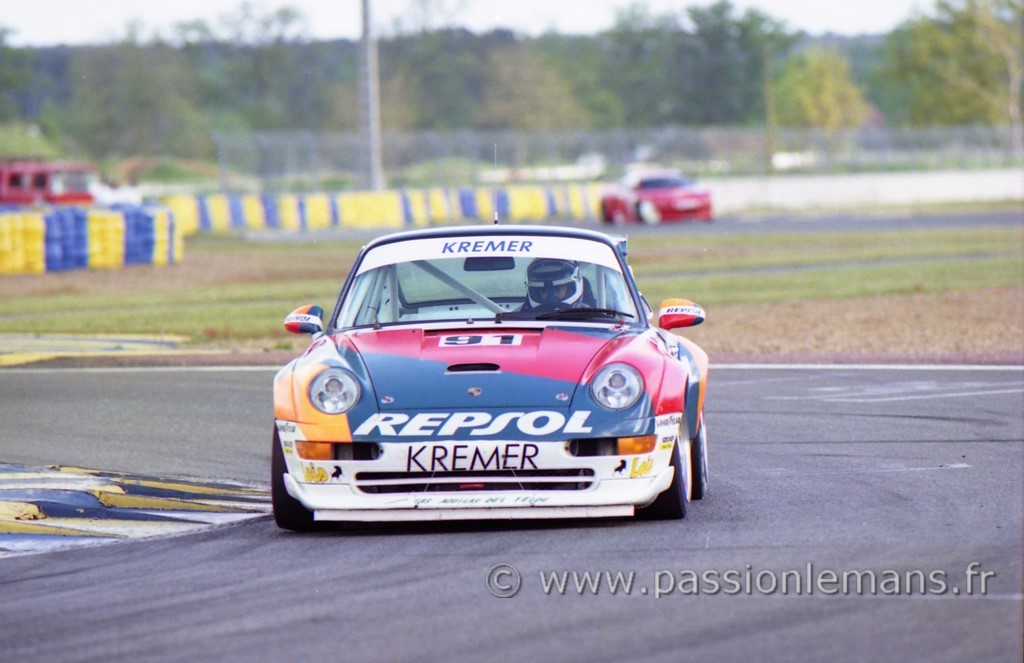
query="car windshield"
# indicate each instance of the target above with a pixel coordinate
(73, 181)
(663, 183)
(514, 277)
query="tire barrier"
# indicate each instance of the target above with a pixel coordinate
(34, 241)
(395, 209)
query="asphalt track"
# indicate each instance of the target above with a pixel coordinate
(914, 476)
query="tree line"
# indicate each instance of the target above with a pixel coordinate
(961, 63)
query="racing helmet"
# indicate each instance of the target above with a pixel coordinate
(552, 283)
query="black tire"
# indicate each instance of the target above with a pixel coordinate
(671, 504)
(699, 464)
(288, 511)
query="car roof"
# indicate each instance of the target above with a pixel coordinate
(43, 164)
(616, 242)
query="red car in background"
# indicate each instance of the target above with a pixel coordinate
(41, 182)
(654, 196)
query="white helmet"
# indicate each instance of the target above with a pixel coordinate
(553, 284)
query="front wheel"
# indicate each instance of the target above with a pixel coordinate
(671, 504)
(699, 463)
(288, 511)
(648, 212)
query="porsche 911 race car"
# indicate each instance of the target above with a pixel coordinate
(490, 372)
(655, 196)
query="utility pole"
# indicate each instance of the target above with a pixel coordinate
(770, 121)
(369, 104)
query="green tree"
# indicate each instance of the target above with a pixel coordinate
(134, 99)
(816, 90)
(14, 76)
(639, 64)
(524, 92)
(964, 65)
(446, 71)
(722, 64)
(578, 60)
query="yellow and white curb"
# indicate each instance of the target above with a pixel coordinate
(43, 509)
(21, 349)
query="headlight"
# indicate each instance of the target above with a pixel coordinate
(334, 391)
(617, 386)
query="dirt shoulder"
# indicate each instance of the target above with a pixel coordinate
(984, 326)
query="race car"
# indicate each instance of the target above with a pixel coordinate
(654, 196)
(490, 372)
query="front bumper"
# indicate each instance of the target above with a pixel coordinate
(489, 480)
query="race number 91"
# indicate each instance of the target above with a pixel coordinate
(481, 340)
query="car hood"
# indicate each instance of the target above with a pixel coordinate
(486, 368)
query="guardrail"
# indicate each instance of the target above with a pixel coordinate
(396, 209)
(35, 241)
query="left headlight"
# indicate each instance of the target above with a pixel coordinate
(617, 386)
(334, 391)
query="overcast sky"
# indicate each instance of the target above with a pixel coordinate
(48, 22)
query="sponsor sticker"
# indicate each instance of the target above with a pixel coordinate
(447, 424)
(471, 458)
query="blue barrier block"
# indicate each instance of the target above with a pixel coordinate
(502, 203)
(204, 213)
(552, 203)
(53, 238)
(301, 204)
(140, 236)
(467, 203)
(335, 211)
(236, 212)
(406, 209)
(76, 242)
(270, 211)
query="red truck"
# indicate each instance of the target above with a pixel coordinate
(37, 182)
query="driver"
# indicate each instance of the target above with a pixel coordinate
(553, 284)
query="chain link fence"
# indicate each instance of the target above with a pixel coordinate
(307, 161)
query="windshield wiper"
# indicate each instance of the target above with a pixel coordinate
(584, 313)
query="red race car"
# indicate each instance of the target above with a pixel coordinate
(655, 196)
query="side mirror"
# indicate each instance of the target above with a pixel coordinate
(674, 313)
(305, 320)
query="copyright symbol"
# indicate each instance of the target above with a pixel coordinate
(503, 581)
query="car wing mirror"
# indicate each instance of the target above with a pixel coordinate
(675, 313)
(305, 320)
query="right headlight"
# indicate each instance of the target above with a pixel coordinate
(617, 386)
(334, 391)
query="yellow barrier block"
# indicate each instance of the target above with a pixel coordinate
(593, 198)
(419, 207)
(219, 209)
(12, 252)
(22, 243)
(527, 203)
(186, 212)
(179, 247)
(288, 212)
(106, 239)
(253, 213)
(318, 211)
(484, 204)
(161, 237)
(583, 199)
(442, 205)
(367, 209)
(34, 243)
